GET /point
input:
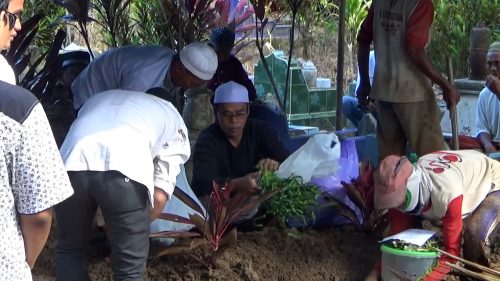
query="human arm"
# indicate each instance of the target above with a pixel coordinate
(487, 142)
(417, 36)
(35, 229)
(452, 239)
(483, 127)
(365, 37)
(160, 198)
(174, 152)
(40, 182)
(493, 83)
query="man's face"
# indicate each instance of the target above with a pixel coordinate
(232, 118)
(181, 77)
(493, 60)
(8, 19)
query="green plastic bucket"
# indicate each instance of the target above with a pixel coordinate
(410, 264)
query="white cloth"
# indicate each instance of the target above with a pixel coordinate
(134, 68)
(32, 175)
(6, 72)
(139, 135)
(454, 173)
(371, 69)
(488, 114)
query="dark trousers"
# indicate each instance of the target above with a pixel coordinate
(125, 207)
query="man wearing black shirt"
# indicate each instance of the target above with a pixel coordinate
(234, 148)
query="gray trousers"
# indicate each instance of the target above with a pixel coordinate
(125, 207)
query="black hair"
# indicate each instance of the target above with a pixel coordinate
(223, 38)
(4, 4)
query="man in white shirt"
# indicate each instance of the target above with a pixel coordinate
(139, 68)
(122, 153)
(9, 26)
(488, 104)
(32, 175)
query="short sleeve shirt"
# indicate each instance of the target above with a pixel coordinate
(32, 175)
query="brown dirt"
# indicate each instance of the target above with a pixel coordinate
(270, 254)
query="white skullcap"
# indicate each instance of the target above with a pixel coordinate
(231, 92)
(200, 59)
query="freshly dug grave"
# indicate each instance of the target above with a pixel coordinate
(271, 254)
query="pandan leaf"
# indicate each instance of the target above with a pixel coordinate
(186, 199)
(203, 226)
(175, 218)
(174, 234)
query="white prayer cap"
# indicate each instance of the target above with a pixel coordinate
(200, 59)
(231, 92)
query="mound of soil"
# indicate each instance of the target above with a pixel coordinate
(270, 254)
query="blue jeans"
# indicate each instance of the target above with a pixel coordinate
(351, 110)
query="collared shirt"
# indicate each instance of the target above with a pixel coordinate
(6, 72)
(137, 134)
(214, 158)
(488, 114)
(32, 175)
(134, 68)
(232, 70)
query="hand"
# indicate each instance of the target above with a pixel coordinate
(160, 199)
(490, 149)
(440, 271)
(363, 95)
(268, 164)
(493, 83)
(451, 95)
(252, 182)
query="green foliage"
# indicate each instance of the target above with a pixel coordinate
(453, 22)
(46, 27)
(113, 17)
(149, 23)
(429, 246)
(294, 199)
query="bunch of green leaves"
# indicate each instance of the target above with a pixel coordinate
(294, 199)
(429, 246)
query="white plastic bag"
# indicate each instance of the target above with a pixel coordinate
(318, 157)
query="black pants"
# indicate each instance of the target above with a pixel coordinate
(125, 207)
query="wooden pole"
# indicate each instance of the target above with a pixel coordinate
(340, 66)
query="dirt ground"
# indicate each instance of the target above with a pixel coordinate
(341, 253)
(270, 254)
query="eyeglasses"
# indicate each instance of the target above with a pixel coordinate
(237, 115)
(12, 19)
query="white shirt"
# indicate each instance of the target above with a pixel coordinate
(454, 173)
(134, 68)
(137, 134)
(6, 72)
(488, 114)
(32, 175)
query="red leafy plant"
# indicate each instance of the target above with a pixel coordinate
(361, 192)
(214, 230)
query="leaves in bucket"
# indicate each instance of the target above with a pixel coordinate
(429, 245)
